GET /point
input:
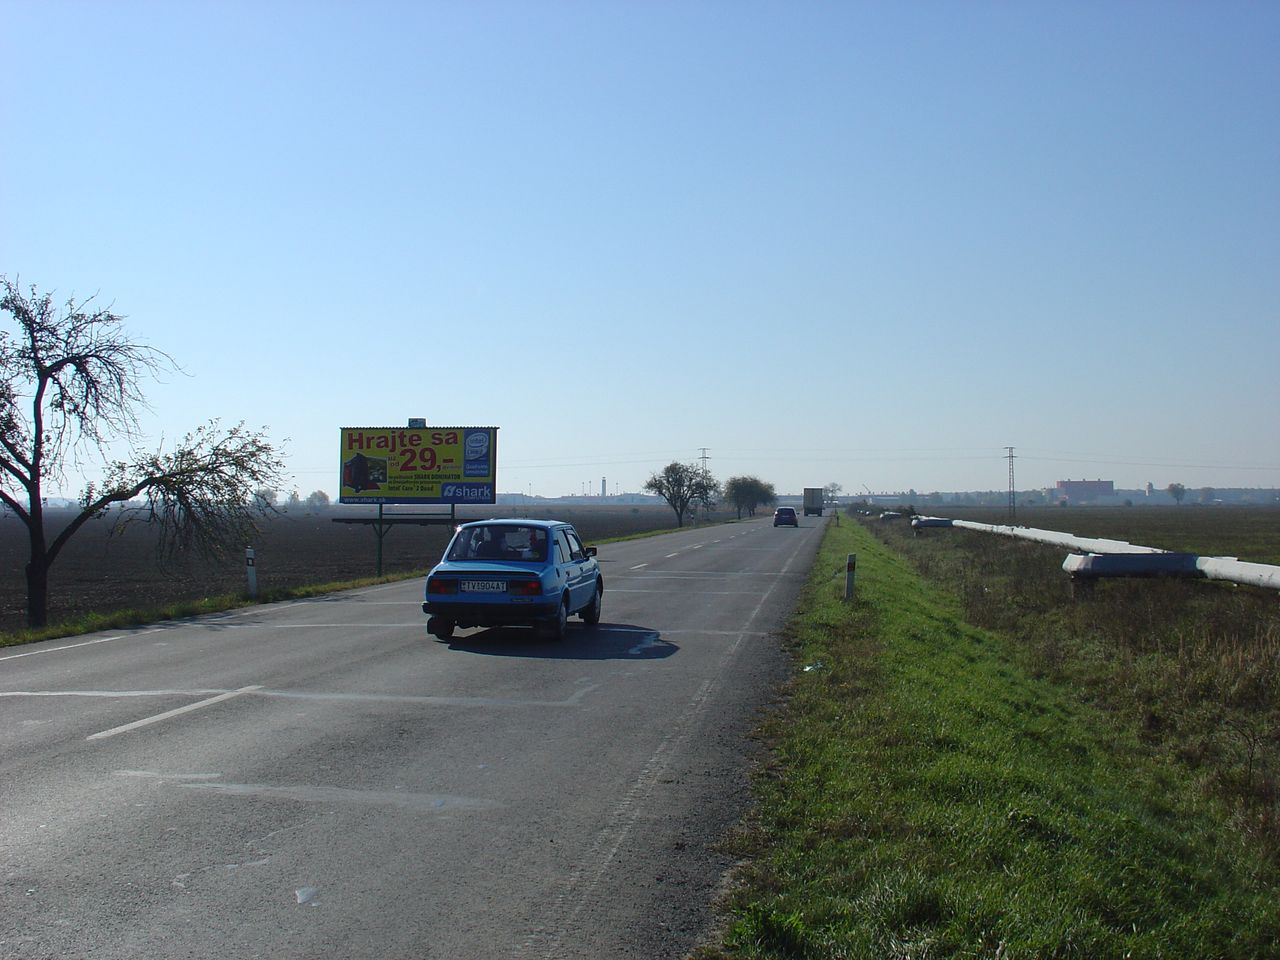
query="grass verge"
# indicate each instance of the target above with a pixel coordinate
(927, 796)
(1191, 668)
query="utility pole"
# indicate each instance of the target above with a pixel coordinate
(705, 476)
(1013, 509)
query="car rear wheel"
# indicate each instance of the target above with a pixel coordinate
(440, 628)
(591, 612)
(555, 628)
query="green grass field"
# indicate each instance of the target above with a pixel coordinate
(929, 793)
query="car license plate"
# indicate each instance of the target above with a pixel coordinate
(484, 586)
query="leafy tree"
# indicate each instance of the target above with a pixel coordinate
(708, 492)
(735, 493)
(683, 485)
(317, 500)
(1207, 494)
(1177, 491)
(748, 493)
(69, 386)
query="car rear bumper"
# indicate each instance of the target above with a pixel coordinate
(491, 614)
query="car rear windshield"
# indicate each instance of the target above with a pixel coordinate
(499, 541)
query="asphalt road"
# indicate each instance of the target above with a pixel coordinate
(321, 779)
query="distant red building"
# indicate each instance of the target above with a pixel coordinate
(1079, 490)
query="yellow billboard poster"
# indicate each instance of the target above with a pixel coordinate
(419, 465)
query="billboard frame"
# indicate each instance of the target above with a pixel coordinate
(441, 466)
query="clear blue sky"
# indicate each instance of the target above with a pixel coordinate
(864, 243)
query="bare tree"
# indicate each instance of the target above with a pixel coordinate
(70, 384)
(682, 485)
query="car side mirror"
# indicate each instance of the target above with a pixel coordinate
(591, 551)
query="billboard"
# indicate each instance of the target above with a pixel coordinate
(419, 465)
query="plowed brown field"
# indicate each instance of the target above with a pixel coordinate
(98, 572)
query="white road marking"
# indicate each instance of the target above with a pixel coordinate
(417, 601)
(571, 701)
(639, 566)
(716, 633)
(701, 593)
(156, 775)
(258, 691)
(112, 694)
(694, 631)
(727, 575)
(320, 794)
(147, 721)
(315, 794)
(420, 622)
(73, 646)
(586, 877)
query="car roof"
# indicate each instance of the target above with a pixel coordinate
(515, 521)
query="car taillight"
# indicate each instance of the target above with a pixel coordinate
(525, 588)
(440, 585)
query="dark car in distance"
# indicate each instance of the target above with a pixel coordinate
(785, 517)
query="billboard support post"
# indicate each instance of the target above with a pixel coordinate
(382, 532)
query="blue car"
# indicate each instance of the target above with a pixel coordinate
(498, 573)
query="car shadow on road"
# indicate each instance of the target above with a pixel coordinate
(604, 641)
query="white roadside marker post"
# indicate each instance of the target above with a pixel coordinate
(850, 568)
(251, 573)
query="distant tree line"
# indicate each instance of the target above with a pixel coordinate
(316, 501)
(688, 486)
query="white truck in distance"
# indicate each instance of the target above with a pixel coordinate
(813, 497)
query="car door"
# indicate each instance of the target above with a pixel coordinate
(565, 565)
(581, 571)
